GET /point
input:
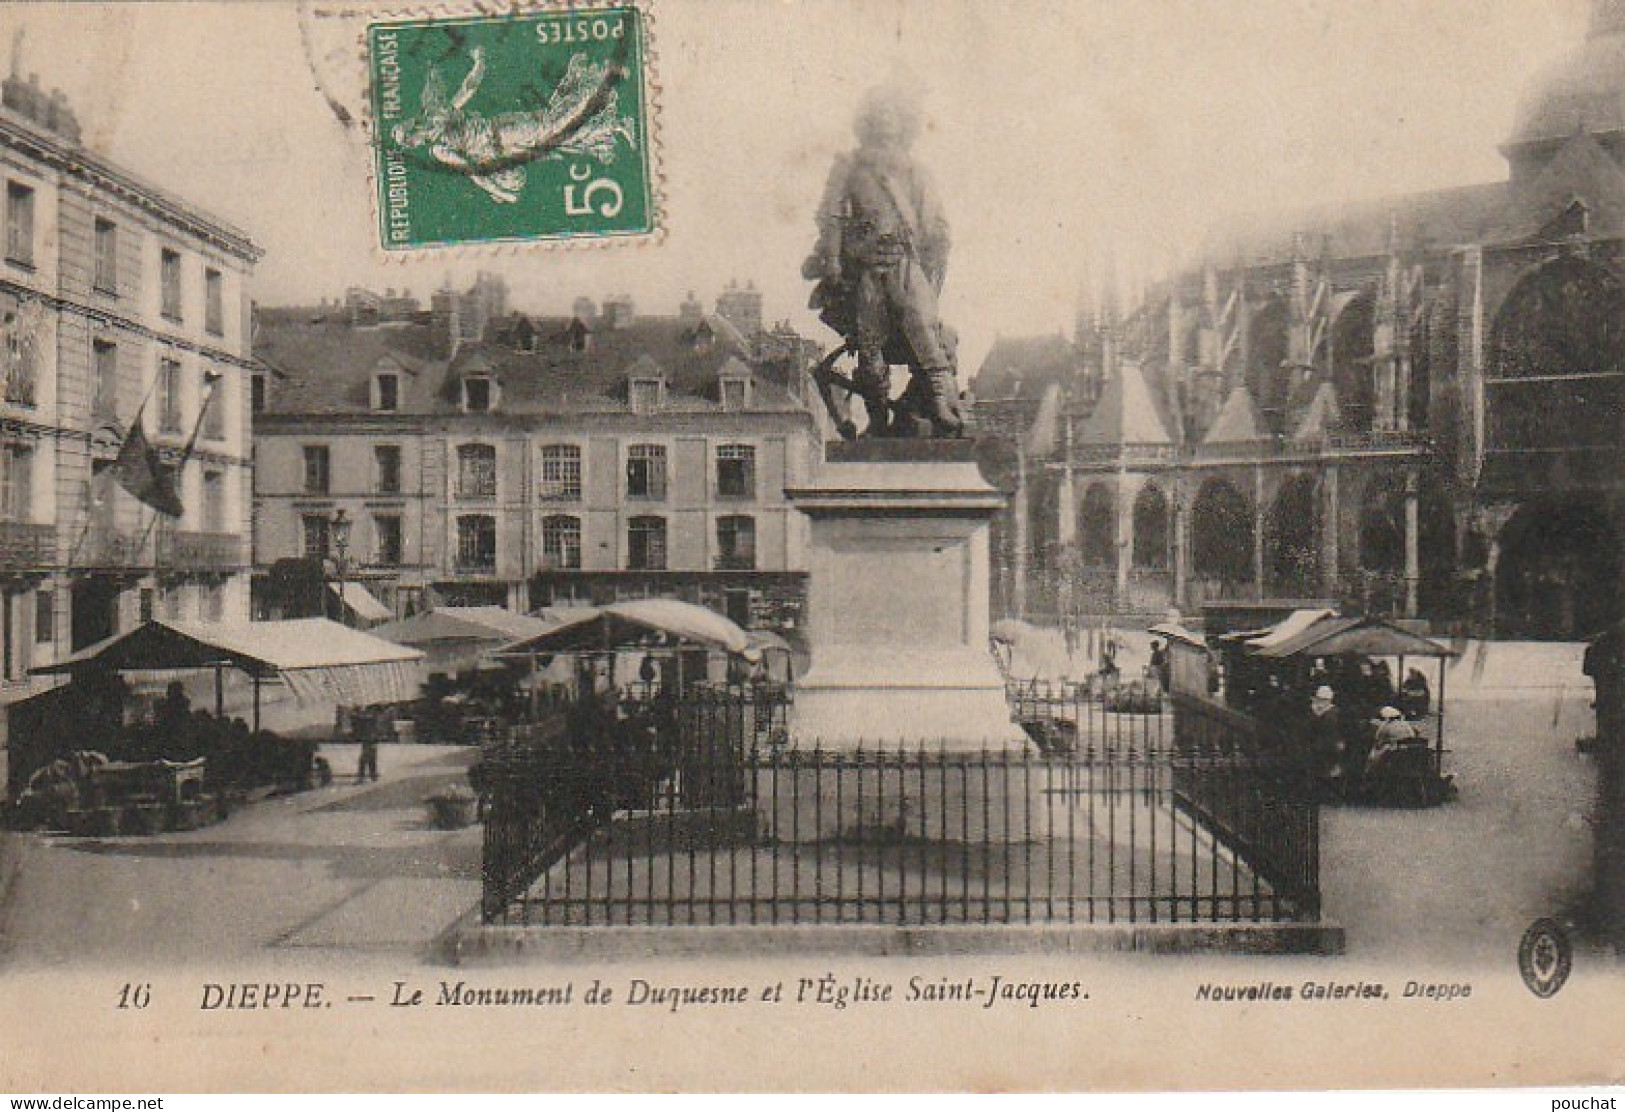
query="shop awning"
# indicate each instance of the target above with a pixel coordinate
(319, 660)
(361, 602)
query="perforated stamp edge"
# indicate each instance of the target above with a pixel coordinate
(355, 111)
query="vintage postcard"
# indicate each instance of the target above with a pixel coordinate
(744, 545)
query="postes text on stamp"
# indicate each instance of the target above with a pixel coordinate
(511, 128)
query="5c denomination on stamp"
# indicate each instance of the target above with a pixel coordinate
(512, 128)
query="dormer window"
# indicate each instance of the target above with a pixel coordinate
(386, 392)
(647, 394)
(523, 334)
(705, 337)
(734, 386)
(735, 395)
(479, 394)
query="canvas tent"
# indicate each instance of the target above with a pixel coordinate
(354, 598)
(318, 659)
(1334, 636)
(455, 637)
(622, 623)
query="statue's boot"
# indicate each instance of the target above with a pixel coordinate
(873, 380)
(945, 417)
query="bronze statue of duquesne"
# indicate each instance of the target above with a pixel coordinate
(880, 260)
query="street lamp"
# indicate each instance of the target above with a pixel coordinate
(341, 550)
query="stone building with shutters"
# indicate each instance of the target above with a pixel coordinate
(1412, 406)
(555, 461)
(119, 301)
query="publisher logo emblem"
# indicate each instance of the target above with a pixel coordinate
(1545, 957)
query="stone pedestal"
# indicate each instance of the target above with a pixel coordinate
(897, 601)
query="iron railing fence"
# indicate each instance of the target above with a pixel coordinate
(700, 812)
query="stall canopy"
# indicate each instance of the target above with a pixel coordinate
(361, 602)
(1286, 629)
(456, 638)
(1173, 631)
(1332, 636)
(318, 659)
(624, 623)
(463, 624)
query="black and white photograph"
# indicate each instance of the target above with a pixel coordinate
(761, 545)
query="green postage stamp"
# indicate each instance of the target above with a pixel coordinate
(512, 128)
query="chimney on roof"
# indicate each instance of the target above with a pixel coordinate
(585, 310)
(691, 312)
(50, 110)
(618, 310)
(741, 307)
(445, 322)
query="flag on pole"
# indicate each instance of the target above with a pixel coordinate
(141, 471)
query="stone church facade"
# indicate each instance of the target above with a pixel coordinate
(1412, 406)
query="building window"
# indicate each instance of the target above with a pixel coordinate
(477, 542)
(169, 395)
(386, 533)
(386, 393)
(105, 358)
(645, 395)
(735, 394)
(646, 544)
(169, 283)
(477, 394)
(736, 543)
(561, 472)
(214, 301)
(258, 397)
(19, 224)
(148, 597)
(386, 459)
(736, 471)
(169, 599)
(561, 542)
(318, 535)
(44, 616)
(477, 472)
(23, 332)
(213, 399)
(646, 471)
(318, 469)
(214, 501)
(17, 484)
(106, 278)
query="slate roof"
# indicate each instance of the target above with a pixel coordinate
(329, 367)
(1024, 366)
(1239, 420)
(1321, 416)
(1128, 412)
(1437, 218)
(1580, 170)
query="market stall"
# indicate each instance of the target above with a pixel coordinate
(317, 660)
